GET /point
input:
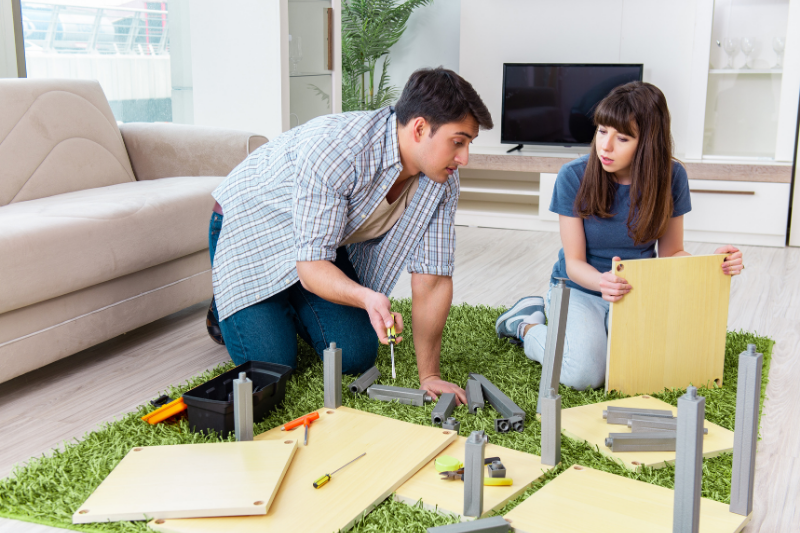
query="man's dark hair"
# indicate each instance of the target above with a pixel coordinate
(440, 96)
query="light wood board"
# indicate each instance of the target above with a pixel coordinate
(190, 480)
(583, 499)
(669, 331)
(447, 496)
(586, 423)
(395, 451)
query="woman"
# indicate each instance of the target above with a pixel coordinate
(627, 195)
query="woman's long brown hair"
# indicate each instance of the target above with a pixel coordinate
(640, 110)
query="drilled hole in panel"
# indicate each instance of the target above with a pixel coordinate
(288, 441)
(259, 502)
(83, 511)
(137, 449)
(160, 521)
(620, 267)
(646, 397)
(330, 412)
(445, 432)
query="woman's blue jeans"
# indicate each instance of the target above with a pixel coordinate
(268, 330)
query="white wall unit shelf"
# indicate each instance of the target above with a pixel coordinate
(513, 191)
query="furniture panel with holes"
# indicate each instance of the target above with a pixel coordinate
(738, 212)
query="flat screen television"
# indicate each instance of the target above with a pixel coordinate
(553, 104)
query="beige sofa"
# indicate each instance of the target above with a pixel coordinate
(102, 228)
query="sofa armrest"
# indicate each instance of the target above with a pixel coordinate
(162, 150)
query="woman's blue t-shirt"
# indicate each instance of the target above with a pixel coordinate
(608, 237)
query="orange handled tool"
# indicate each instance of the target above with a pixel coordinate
(300, 421)
(304, 420)
(165, 411)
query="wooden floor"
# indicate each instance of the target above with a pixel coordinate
(493, 267)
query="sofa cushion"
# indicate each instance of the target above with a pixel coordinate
(57, 136)
(56, 245)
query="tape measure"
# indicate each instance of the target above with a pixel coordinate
(447, 463)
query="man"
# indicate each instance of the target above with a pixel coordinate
(319, 222)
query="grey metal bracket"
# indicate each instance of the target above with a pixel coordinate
(494, 524)
(497, 398)
(387, 393)
(496, 469)
(657, 441)
(517, 423)
(745, 432)
(621, 415)
(443, 409)
(332, 376)
(502, 425)
(645, 423)
(554, 345)
(688, 462)
(474, 396)
(365, 380)
(551, 428)
(243, 407)
(452, 424)
(474, 453)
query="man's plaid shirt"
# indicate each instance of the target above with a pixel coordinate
(300, 195)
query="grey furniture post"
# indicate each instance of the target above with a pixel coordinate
(243, 407)
(497, 399)
(474, 454)
(387, 393)
(444, 408)
(688, 462)
(551, 428)
(332, 376)
(365, 380)
(554, 345)
(745, 434)
(475, 399)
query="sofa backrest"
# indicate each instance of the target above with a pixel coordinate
(57, 136)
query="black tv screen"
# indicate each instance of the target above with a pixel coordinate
(554, 103)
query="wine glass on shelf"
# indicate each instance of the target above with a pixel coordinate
(779, 44)
(295, 52)
(748, 45)
(731, 46)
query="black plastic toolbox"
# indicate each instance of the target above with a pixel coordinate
(211, 404)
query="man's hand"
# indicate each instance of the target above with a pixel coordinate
(379, 309)
(612, 287)
(437, 386)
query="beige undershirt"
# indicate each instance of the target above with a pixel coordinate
(386, 215)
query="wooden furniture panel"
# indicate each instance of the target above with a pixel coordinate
(586, 423)
(447, 496)
(669, 331)
(395, 451)
(583, 499)
(190, 480)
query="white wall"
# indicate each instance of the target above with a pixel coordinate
(656, 33)
(235, 81)
(430, 40)
(8, 51)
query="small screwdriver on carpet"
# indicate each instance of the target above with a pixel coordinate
(327, 477)
(392, 334)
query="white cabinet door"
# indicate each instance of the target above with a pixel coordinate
(738, 212)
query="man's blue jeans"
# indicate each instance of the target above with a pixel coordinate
(268, 330)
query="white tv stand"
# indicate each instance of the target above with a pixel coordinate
(733, 202)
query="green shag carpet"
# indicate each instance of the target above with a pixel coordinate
(49, 489)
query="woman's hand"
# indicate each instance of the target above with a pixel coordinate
(612, 287)
(734, 263)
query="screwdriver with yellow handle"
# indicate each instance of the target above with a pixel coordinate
(392, 334)
(327, 477)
